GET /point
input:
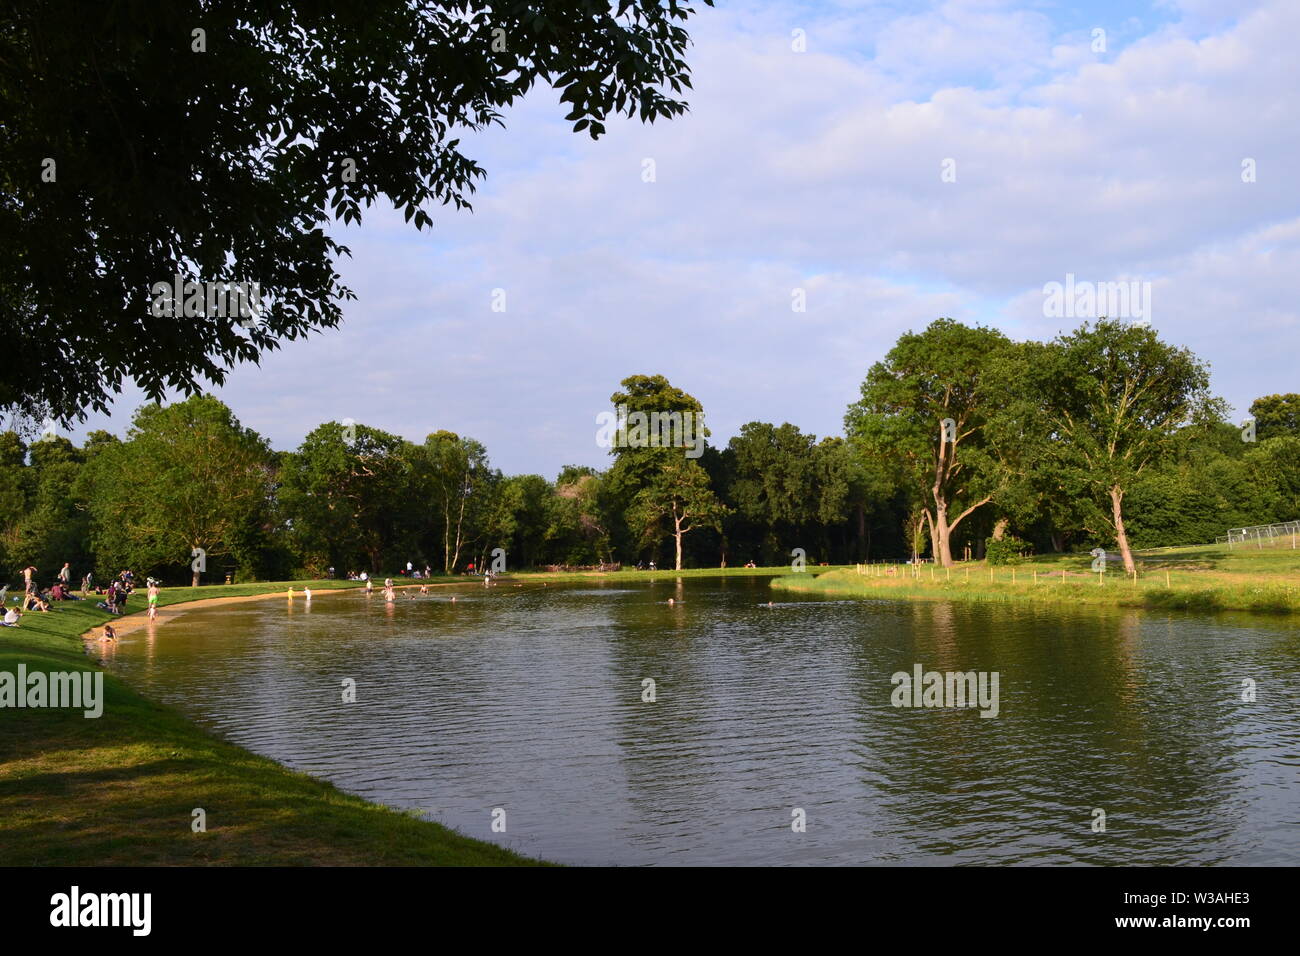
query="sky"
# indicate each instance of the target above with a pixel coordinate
(896, 162)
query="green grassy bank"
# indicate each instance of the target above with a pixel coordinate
(1198, 578)
(121, 788)
(661, 574)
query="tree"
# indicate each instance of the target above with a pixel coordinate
(679, 494)
(216, 141)
(657, 416)
(53, 528)
(1276, 415)
(458, 476)
(349, 491)
(774, 482)
(578, 517)
(924, 408)
(519, 517)
(13, 495)
(847, 484)
(1275, 463)
(189, 479)
(1114, 398)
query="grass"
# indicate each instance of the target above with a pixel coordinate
(660, 573)
(1197, 578)
(121, 789)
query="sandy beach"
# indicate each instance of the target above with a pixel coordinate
(129, 623)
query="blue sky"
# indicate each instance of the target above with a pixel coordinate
(821, 170)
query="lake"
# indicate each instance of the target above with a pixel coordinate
(772, 737)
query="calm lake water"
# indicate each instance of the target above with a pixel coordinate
(530, 699)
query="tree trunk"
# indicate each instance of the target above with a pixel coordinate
(942, 535)
(943, 529)
(460, 519)
(446, 535)
(194, 580)
(1121, 536)
(1000, 528)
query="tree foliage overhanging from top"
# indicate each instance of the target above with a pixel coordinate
(134, 149)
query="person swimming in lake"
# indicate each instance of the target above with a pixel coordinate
(109, 634)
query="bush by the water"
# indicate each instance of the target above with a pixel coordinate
(1008, 550)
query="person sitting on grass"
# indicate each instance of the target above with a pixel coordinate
(35, 602)
(12, 617)
(111, 600)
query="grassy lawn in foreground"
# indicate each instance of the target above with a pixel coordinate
(121, 788)
(1197, 577)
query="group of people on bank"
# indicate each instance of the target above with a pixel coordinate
(42, 600)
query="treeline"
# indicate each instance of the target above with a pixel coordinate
(1106, 436)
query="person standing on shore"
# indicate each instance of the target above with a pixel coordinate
(65, 574)
(153, 599)
(27, 577)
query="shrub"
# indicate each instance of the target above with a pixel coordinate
(1009, 550)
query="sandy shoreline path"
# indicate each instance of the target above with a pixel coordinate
(130, 623)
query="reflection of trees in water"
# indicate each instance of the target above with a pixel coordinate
(745, 693)
(1097, 709)
(663, 746)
